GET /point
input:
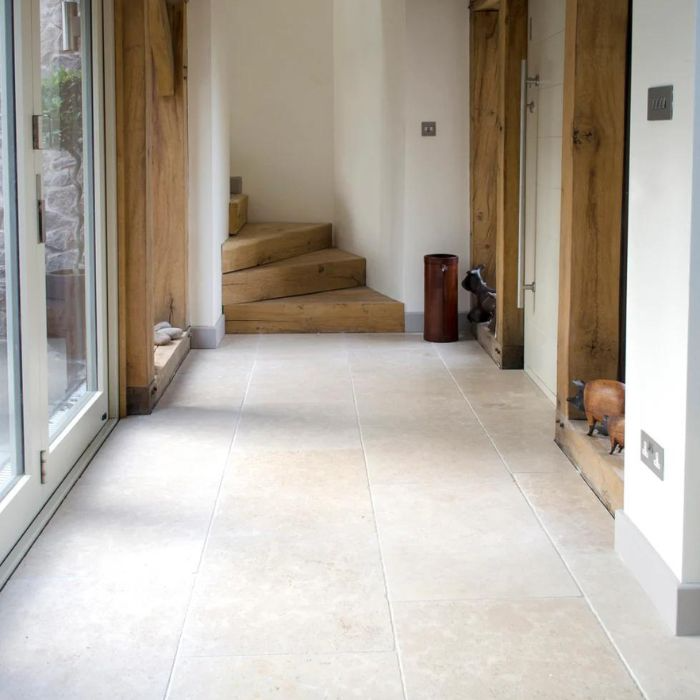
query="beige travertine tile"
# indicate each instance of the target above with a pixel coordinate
(571, 513)
(445, 542)
(316, 494)
(345, 676)
(281, 595)
(458, 456)
(89, 640)
(521, 649)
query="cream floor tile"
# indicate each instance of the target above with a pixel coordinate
(81, 639)
(458, 457)
(286, 426)
(571, 513)
(667, 667)
(316, 494)
(263, 595)
(503, 650)
(324, 345)
(440, 542)
(342, 677)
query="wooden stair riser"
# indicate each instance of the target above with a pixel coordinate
(280, 243)
(237, 213)
(274, 282)
(346, 311)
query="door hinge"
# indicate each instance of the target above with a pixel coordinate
(43, 458)
(38, 132)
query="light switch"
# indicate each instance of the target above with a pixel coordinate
(429, 128)
(652, 455)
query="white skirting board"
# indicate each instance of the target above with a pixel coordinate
(208, 337)
(678, 603)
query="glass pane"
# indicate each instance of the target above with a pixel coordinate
(67, 194)
(10, 387)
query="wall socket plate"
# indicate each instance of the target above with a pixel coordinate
(652, 455)
(429, 128)
(660, 103)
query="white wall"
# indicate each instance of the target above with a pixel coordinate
(436, 210)
(369, 136)
(280, 79)
(208, 124)
(662, 376)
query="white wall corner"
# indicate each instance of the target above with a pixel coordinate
(208, 337)
(678, 603)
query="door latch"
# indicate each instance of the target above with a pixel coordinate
(38, 132)
(43, 459)
(40, 211)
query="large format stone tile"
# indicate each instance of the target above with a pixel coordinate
(667, 667)
(443, 542)
(546, 649)
(296, 494)
(82, 639)
(288, 426)
(458, 456)
(342, 677)
(571, 513)
(259, 594)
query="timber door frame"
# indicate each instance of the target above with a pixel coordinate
(495, 161)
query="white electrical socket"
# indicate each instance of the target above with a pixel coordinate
(652, 454)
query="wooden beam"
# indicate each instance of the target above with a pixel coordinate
(592, 193)
(512, 42)
(135, 245)
(484, 140)
(161, 40)
(484, 5)
(167, 188)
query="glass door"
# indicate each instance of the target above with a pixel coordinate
(56, 271)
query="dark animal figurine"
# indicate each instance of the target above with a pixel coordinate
(485, 308)
(598, 399)
(616, 430)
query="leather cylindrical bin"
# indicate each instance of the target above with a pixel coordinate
(441, 284)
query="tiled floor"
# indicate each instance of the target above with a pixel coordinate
(335, 517)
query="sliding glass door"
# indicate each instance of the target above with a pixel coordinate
(53, 384)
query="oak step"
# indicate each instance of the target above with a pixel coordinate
(320, 271)
(237, 213)
(358, 310)
(260, 244)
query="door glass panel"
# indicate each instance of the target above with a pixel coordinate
(10, 384)
(68, 212)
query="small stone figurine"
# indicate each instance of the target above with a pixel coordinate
(599, 399)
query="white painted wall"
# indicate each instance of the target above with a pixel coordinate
(369, 136)
(280, 80)
(663, 326)
(544, 154)
(208, 124)
(436, 209)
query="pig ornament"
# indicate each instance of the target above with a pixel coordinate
(599, 400)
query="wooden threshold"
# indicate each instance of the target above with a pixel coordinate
(167, 361)
(603, 472)
(505, 357)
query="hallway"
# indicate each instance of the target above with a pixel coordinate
(335, 517)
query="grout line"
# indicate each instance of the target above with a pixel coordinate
(205, 544)
(560, 554)
(379, 543)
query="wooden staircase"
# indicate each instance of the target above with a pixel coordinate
(288, 278)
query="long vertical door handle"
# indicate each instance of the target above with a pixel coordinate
(522, 184)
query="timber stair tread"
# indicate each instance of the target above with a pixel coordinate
(237, 213)
(261, 244)
(318, 271)
(353, 310)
